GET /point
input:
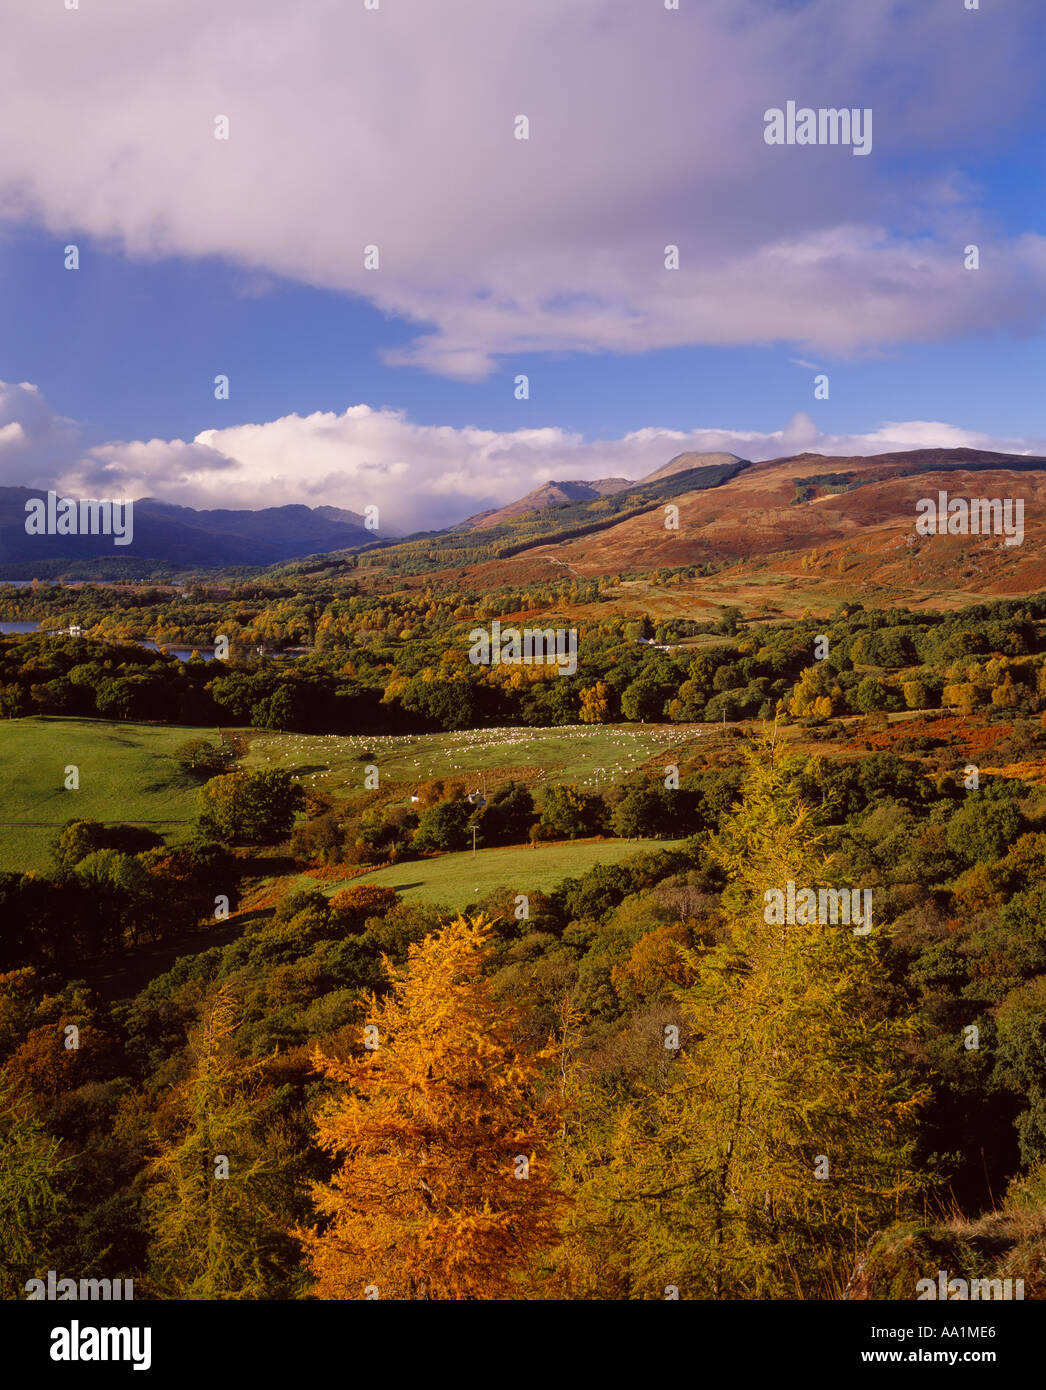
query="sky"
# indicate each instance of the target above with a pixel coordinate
(396, 127)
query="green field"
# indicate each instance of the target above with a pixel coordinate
(591, 755)
(455, 880)
(126, 773)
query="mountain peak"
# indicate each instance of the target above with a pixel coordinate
(682, 463)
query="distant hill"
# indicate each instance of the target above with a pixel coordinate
(549, 494)
(780, 527)
(560, 494)
(522, 525)
(682, 463)
(174, 535)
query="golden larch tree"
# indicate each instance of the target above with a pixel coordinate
(445, 1126)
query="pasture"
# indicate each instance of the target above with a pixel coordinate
(126, 772)
(455, 880)
(592, 755)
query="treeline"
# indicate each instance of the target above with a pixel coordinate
(108, 887)
(860, 662)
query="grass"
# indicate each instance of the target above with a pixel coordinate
(126, 772)
(455, 880)
(591, 755)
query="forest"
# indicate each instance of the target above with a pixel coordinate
(401, 663)
(630, 1086)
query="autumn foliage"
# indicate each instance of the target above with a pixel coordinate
(445, 1189)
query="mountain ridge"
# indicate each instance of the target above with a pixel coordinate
(168, 533)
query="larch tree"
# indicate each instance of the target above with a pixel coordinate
(444, 1128)
(783, 1134)
(221, 1190)
(32, 1200)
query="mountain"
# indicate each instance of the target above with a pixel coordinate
(682, 463)
(837, 524)
(559, 494)
(549, 494)
(522, 526)
(169, 534)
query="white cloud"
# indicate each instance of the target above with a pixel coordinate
(32, 437)
(351, 126)
(421, 477)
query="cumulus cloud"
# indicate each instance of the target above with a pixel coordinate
(421, 477)
(32, 437)
(394, 127)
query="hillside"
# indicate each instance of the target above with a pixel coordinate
(519, 531)
(682, 463)
(458, 881)
(550, 494)
(558, 494)
(812, 522)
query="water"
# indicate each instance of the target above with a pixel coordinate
(182, 653)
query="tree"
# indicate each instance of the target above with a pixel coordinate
(642, 811)
(1004, 696)
(872, 694)
(643, 701)
(31, 1198)
(108, 869)
(568, 812)
(442, 704)
(781, 1135)
(250, 807)
(1021, 1064)
(203, 758)
(79, 838)
(216, 1236)
(278, 711)
(443, 827)
(446, 1189)
(981, 830)
(507, 816)
(812, 689)
(915, 694)
(353, 906)
(593, 707)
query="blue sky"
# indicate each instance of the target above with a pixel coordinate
(118, 347)
(499, 256)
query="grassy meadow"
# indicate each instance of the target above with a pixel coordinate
(455, 880)
(126, 772)
(589, 754)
